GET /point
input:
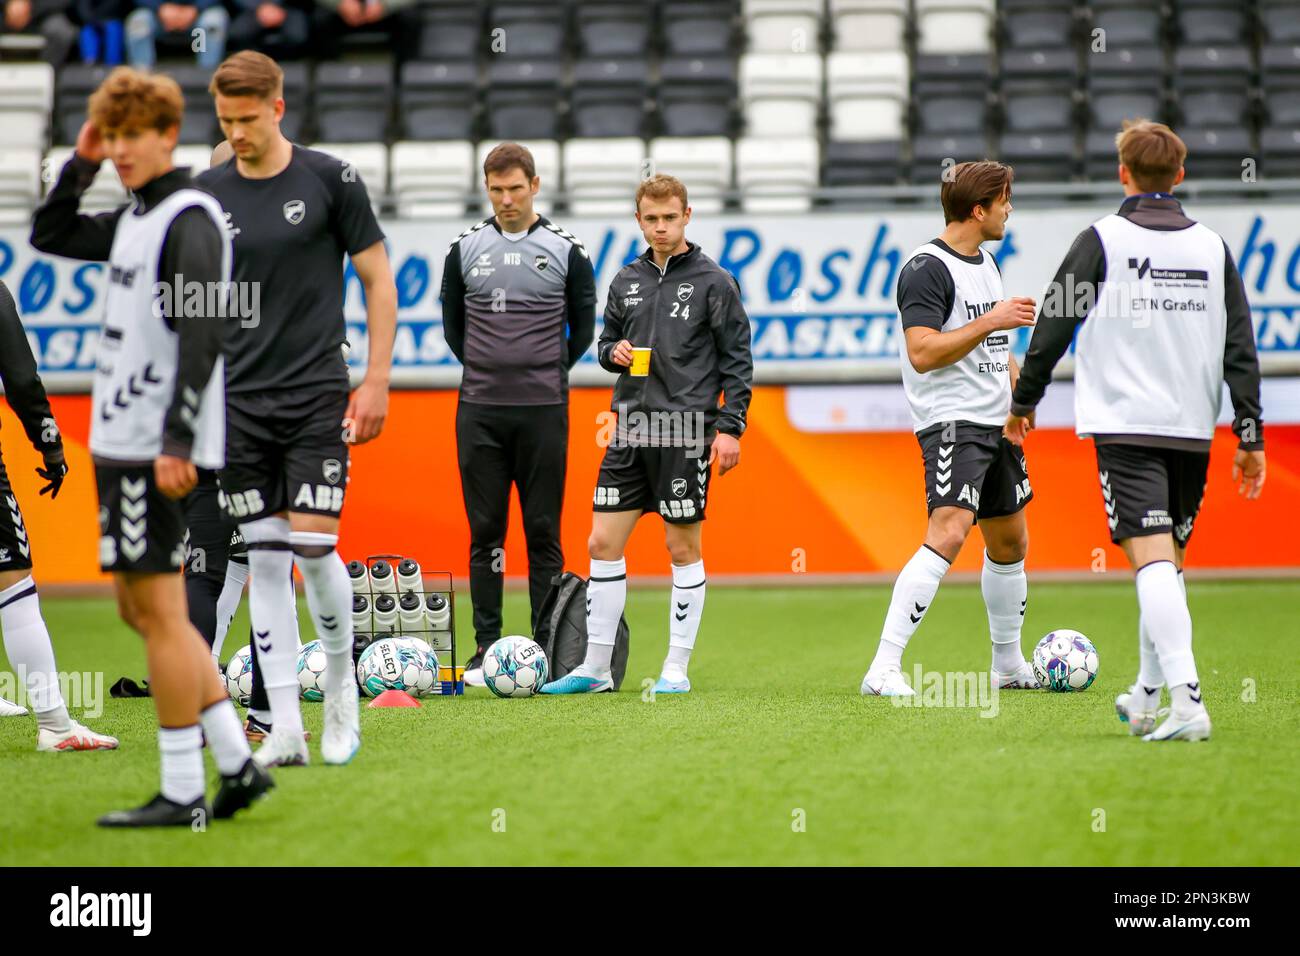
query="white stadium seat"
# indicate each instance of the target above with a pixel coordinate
(603, 174)
(104, 194)
(703, 163)
(197, 158)
(546, 157)
(433, 180)
(955, 26)
(869, 24)
(776, 175)
(26, 97)
(781, 93)
(867, 94)
(783, 26)
(20, 184)
(370, 160)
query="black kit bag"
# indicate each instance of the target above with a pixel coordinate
(562, 629)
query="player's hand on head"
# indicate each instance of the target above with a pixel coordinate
(90, 146)
(55, 470)
(1012, 313)
(366, 413)
(175, 477)
(622, 353)
(1248, 471)
(725, 451)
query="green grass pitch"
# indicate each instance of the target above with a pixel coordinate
(774, 759)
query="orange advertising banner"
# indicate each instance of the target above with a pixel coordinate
(800, 502)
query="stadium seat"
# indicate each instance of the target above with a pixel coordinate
(199, 125)
(858, 163)
(954, 26)
(869, 24)
(1039, 157)
(781, 93)
(614, 29)
(523, 99)
(20, 181)
(1129, 23)
(432, 180)
(932, 154)
(546, 157)
(951, 93)
(196, 156)
(1278, 21)
(867, 94)
(1216, 153)
(449, 31)
(353, 101)
(1039, 90)
(25, 104)
(297, 101)
(602, 175)
(1100, 157)
(704, 163)
(438, 100)
(609, 97)
(776, 174)
(1280, 152)
(106, 191)
(75, 84)
(531, 31)
(698, 28)
(1124, 83)
(369, 160)
(1210, 22)
(783, 26)
(696, 96)
(1212, 85)
(1037, 24)
(1280, 84)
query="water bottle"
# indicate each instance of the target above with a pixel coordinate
(361, 614)
(410, 611)
(357, 575)
(382, 580)
(408, 576)
(437, 611)
(385, 614)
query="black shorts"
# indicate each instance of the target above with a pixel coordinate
(973, 467)
(285, 451)
(15, 549)
(670, 481)
(211, 537)
(140, 528)
(1149, 490)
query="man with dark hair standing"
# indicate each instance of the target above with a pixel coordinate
(518, 310)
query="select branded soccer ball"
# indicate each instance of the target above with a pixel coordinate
(1065, 661)
(429, 673)
(391, 665)
(311, 671)
(515, 667)
(239, 676)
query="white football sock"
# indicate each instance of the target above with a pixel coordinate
(684, 618)
(181, 749)
(232, 591)
(274, 618)
(606, 597)
(1150, 677)
(329, 598)
(913, 591)
(27, 642)
(1006, 590)
(225, 736)
(1165, 615)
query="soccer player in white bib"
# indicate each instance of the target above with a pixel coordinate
(958, 374)
(1162, 324)
(157, 414)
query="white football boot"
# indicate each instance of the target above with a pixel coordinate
(886, 683)
(76, 737)
(1022, 678)
(1128, 709)
(10, 709)
(282, 749)
(1194, 726)
(341, 738)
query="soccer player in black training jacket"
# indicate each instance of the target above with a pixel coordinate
(157, 414)
(26, 639)
(518, 310)
(294, 214)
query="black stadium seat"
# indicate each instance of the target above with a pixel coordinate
(1035, 24)
(696, 96)
(1133, 23)
(75, 84)
(932, 154)
(530, 31)
(951, 92)
(1038, 90)
(1100, 157)
(523, 99)
(614, 29)
(1280, 84)
(438, 100)
(1212, 86)
(609, 97)
(1124, 83)
(699, 27)
(1210, 22)
(1279, 21)
(1039, 157)
(353, 101)
(850, 163)
(1280, 152)
(450, 31)
(297, 100)
(1216, 153)
(199, 127)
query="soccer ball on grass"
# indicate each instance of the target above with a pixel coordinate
(1065, 660)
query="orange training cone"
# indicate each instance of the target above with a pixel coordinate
(394, 698)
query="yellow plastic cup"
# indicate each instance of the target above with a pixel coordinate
(640, 363)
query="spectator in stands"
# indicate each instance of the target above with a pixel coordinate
(49, 18)
(101, 30)
(278, 28)
(200, 24)
(337, 17)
